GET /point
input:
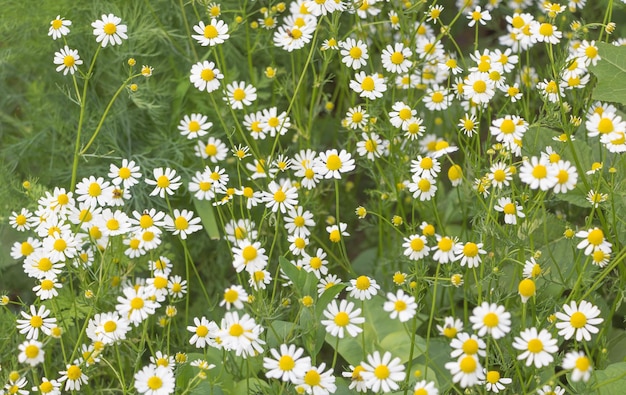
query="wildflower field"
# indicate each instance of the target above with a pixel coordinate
(313, 197)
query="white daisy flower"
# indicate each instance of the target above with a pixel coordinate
(59, 27)
(537, 347)
(580, 365)
(109, 31)
(67, 60)
(578, 321)
(205, 76)
(342, 318)
(216, 32)
(287, 363)
(490, 318)
(382, 373)
(401, 306)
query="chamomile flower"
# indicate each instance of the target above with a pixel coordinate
(423, 187)
(281, 197)
(512, 211)
(537, 347)
(273, 123)
(94, 191)
(293, 37)
(331, 164)
(437, 98)
(509, 128)
(531, 268)
(434, 13)
(466, 344)
(37, 320)
(204, 332)
(490, 318)
(470, 253)
(468, 124)
(356, 118)
(194, 126)
(107, 328)
(396, 58)
(444, 250)
(241, 334)
(48, 387)
(363, 288)
(567, 177)
(337, 231)
(368, 86)
(382, 373)
(136, 305)
(315, 380)
(59, 27)
(67, 60)
(260, 279)
(165, 181)
(20, 221)
(425, 166)
(414, 128)
(326, 283)
(479, 88)
(342, 319)
(176, 286)
(249, 256)
(126, 175)
(73, 377)
(478, 16)
(415, 247)
(239, 94)
(298, 221)
(109, 31)
(205, 76)
(316, 263)
(155, 380)
(212, 34)
(451, 326)
(235, 295)
(31, 353)
(538, 173)
(494, 382)
(287, 363)
(578, 320)
(593, 239)
(400, 305)
(604, 123)
(580, 365)
(424, 387)
(47, 288)
(401, 115)
(354, 53)
(466, 370)
(500, 174)
(372, 146)
(545, 32)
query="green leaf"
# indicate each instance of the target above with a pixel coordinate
(611, 380)
(298, 276)
(207, 215)
(611, 74)
(326, 297)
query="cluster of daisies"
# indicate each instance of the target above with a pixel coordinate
(534, 346)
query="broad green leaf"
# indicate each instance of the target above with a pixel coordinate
(304, 282)
(280, 332)
(206, 211)
(611, 74)
(253, 385)
(611, 380)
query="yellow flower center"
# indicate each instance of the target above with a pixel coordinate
(535, 346)
(155, 383)
(527, 287)
(59, 245)
(468, 364)
(480, 86)
(371, 145)
(69, 61)
(46, 387)
(315, 263)
(74, 373)
(239, 94)
(470, 346)
(113, 224)
(507, 126)
(595, 237)
(136, 303)
(286, 363)
(31, 351)
(356, 53)
(417, 244)
(582, 364)
(94, 189)
(109, 28)
(56, 24)
(207, 75)
(493, 376)
(202, 331)
(342, 318)
(509, 208)
(210, 150)
(210, 32)
(333, 162)
(424, 185)
(445, 244)
(546, 29)
(163, 181)
(312, 378)
(605, 125)
(470, 250)
(249, 253)
(362, 283)
(367, 84)
(540, 171)
(578, 320)
(397, 58)
(231, 296)
(491, 320)
(280, 196)
(437, 97)
(399, 305)
(236, 330)
(381, 372)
